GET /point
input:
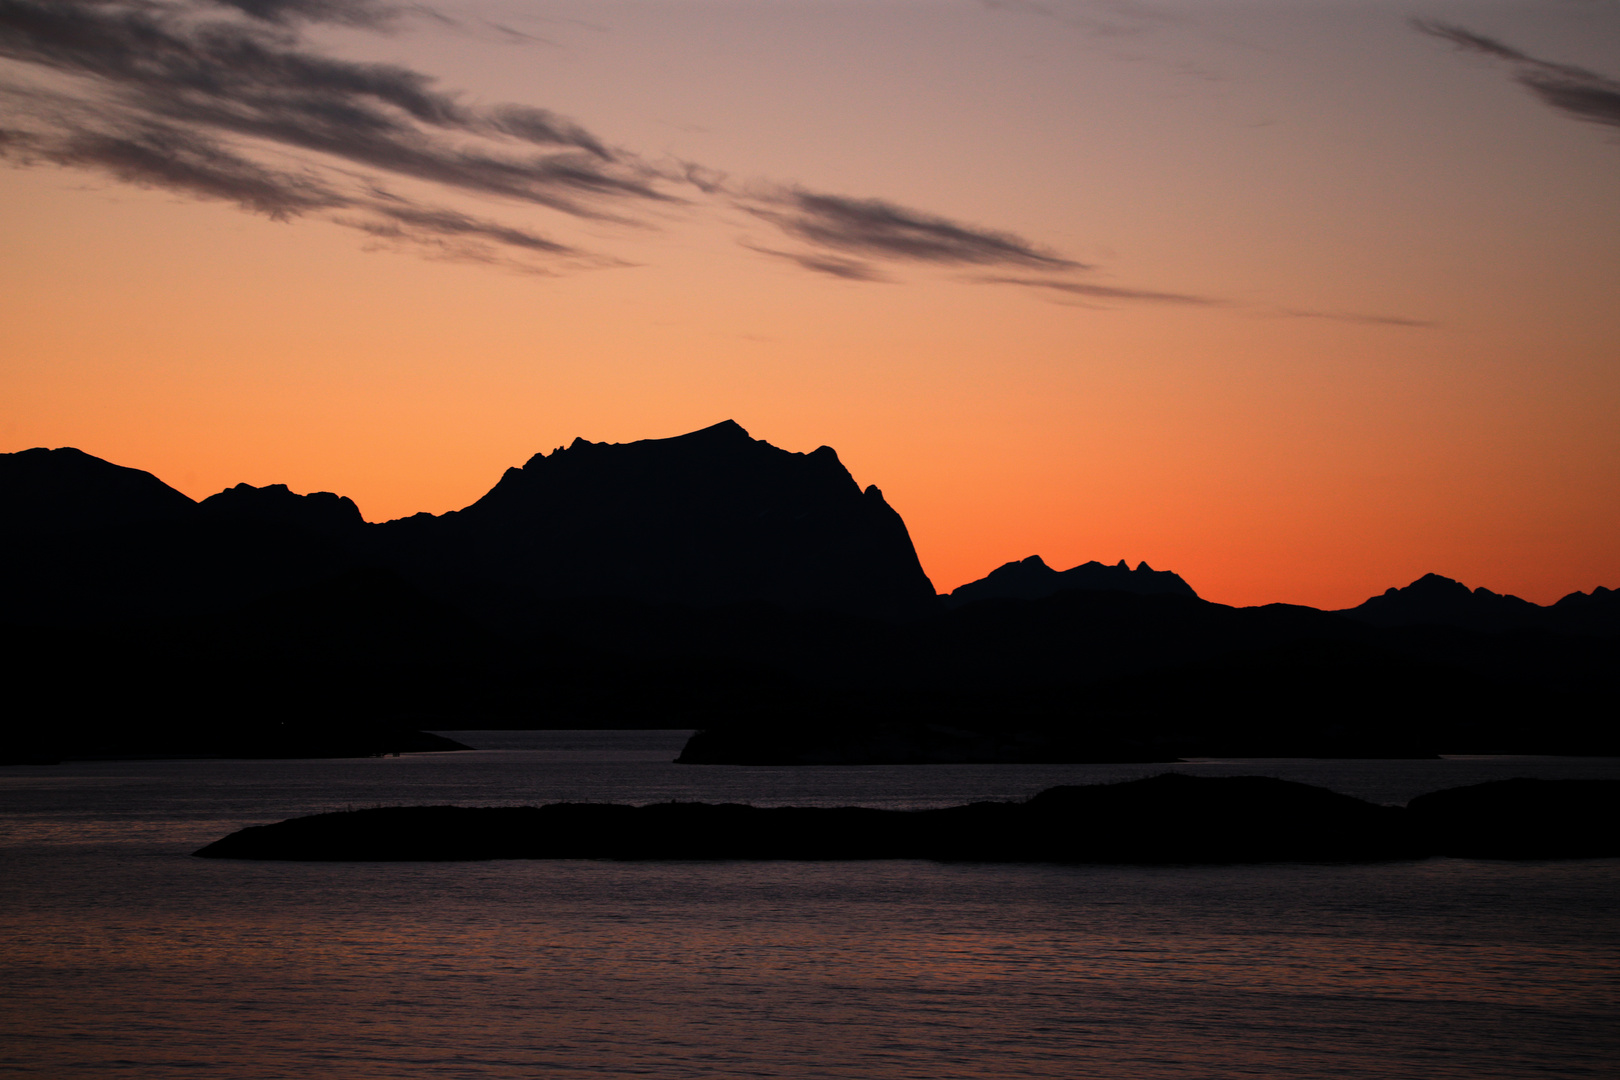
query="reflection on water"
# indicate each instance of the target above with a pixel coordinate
(119, 955)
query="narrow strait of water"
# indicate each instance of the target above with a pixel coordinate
(121, 956)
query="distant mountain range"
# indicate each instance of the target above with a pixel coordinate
(1439, 601)
(714, 581)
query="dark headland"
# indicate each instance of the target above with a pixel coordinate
(1173, 818)
(713, 581)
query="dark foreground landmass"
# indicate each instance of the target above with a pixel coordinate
(1172, 818)
(714, 582)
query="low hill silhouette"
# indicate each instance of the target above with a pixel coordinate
(1168, 818)
(713, 581)
(1171, 818)
(1440, 601)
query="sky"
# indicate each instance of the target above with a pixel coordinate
(1299, 299)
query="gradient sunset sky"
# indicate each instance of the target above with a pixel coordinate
(1298, 299)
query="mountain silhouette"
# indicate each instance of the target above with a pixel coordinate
(711, 517)
(713, 581)
(53, 492)
(1433, 599)
(318, 512)
(1031, 579)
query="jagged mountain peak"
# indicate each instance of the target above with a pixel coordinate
(1031, 578)
(712, 516)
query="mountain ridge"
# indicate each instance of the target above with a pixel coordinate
(714, 581)
(100, 494)
(1031, 579)
(709, 517)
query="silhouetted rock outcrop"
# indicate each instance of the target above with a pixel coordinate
(318, 512)
(1165, 819)
(1031, 579)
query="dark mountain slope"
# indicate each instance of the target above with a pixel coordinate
(713, 517)
(53, 492)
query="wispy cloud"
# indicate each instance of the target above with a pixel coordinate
(230, 100)
(200, 96)
(1099, 18)
(1573, 91)
(227, 100)
(831, 265)
(160, 155)
(851, 238)
(1356, 317)
(366, 13)
(878, 229)
(1091, 291)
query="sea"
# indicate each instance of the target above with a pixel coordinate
(121, 955)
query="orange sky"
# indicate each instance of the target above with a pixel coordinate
(1299, 301)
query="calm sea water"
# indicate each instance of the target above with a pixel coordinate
(122, 956)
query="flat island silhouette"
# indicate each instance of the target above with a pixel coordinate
(715, 582)
(1171, 818)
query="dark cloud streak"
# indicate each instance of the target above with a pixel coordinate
(361, 13)
(1574, 91)
(1356, 317)
(1106, 292)
(1090, 291)
(171, 95)
(831, 265)
(875, 228)
(165, 157)
(438, 222)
